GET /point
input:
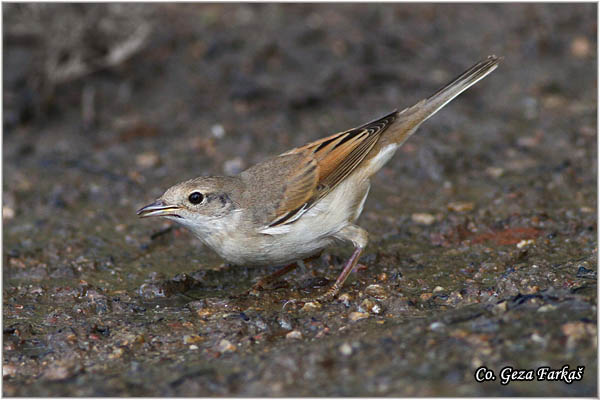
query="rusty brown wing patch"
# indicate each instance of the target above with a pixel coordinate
(335, 158)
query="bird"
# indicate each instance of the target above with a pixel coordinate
(292, 206)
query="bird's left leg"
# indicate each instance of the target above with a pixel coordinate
(359, 238)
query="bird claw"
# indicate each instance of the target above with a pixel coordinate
(320, 300)
(292, 301)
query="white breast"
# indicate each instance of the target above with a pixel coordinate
(302, 238)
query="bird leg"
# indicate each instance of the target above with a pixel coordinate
(359, 238)
(339, 282)
(265, 280)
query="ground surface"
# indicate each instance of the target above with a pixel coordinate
(483, 227)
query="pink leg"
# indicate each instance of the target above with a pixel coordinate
(337, 286)
(273, 277)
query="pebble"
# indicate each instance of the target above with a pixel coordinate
(357, 316)
(294, 335)
(346, 349)
(8, 212)
(371, 306)
(56, 373)
(310, 306)
(438, 289)
(376, 291)
(500, 307)
(494, 172)
(117, 353)
(147, 160)
(581, 47)
(423, 218)
(437, 326)
(9, 370)
(575, 331)
(426, 296)
(217, 131)
(345, 299)
(285, 322)
(460, 206)
(524, 243)
(225, 346)
(578, 329)
(537, 338)
(189, 339)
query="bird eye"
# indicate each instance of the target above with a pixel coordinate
(196, 198)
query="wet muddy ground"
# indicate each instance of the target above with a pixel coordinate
(483, 245)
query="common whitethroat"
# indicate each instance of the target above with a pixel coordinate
(291, 206)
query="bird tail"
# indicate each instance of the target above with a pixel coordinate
(412, 117)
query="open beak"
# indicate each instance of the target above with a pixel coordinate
(158, 209)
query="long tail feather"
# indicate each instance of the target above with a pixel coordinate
(467, 79)
(410, 118)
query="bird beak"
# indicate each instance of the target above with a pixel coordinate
(158, 209)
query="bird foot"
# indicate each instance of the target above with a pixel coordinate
(326, 297)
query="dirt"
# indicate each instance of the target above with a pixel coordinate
(483, 228)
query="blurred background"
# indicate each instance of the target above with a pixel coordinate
(225, 85)
(107, 105)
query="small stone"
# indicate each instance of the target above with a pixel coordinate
(494, 172)
(546, 308)
(193, 347)
(310, 306)
(294, 335)
(8, 212)
(438, 289)
(423, 218)
(524, 243)
(578, 329)
(285, 322)
(147, 160)
(426, 296)
(217, 131)
(371, 306)
(357, 316)
(56, 373)
(345, 299)
(437, 326)
(117, 353)
(9, 370)
(500, 307)
(537, 338)
(376, 291)
(461, 206)
(189, 339)
(225, 346)
(202, 308)
(346, 349)
(580, 47)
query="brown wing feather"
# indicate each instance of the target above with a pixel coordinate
(334, 157)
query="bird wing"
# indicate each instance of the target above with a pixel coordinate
(324, 164)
